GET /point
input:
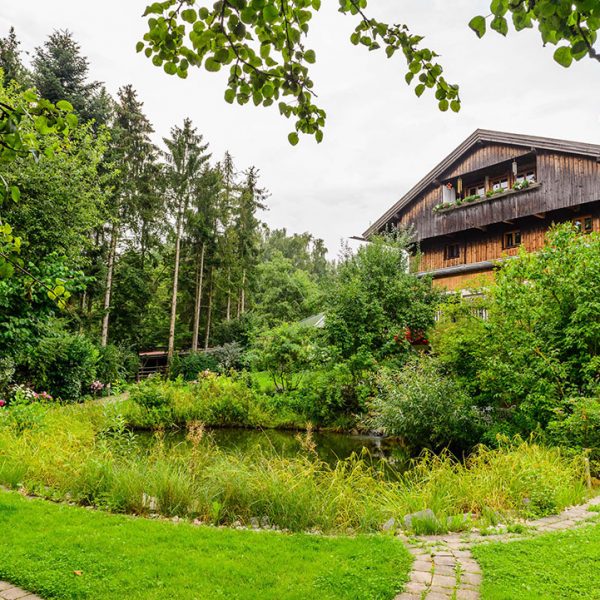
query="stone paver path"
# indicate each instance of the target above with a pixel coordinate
(10, 592)
(444, 568)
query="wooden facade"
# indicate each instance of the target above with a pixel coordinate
(495, 193)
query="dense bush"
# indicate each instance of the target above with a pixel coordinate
(64, 365)
(325, 396)
(577, 424)
(424, 407)
(213, 400)
(229, 356)
(116, 363)
(189, 366)
(285, 351)
(7, 371)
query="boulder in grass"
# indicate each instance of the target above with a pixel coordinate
(422, 515)
(389, 525)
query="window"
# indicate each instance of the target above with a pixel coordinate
(527, 175)
(512, 239)
(584, 224)
(451, 251)
(476, 190)
(499, 184)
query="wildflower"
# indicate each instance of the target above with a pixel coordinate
(2, 402)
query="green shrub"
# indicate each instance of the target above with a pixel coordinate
(151, 393)
(116, 363)
(25, 411)
(213, 400)
(64, 365)
(225, 400)
(285, 351)
(424, 407)
(324, 396)
(191, 365)
(229, 357)
(7, 371)
(577, 425)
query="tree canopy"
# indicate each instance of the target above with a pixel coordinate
(263, 44)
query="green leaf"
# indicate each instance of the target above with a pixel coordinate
(189, 15)
(139, 46)
(477, 24)
(270, 13)
(443, 105)
(419, 90)
(319, 136)
(563, 56)
(64, 105)
(499, 7)
(293, 138)
(500, 25)
(229, 95)
(170, 68)
(212, 65)
(15, 193)
(310, 56)
(455, 105)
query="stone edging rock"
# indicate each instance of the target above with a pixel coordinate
(444, 568)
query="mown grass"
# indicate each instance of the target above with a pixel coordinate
(554, 565)
(81, 453)
(43, 545)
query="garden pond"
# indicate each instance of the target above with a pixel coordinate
(328, 446)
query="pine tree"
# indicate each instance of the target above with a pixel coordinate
(136, 203)
(10, 60)
(186, 158)
(60, 72)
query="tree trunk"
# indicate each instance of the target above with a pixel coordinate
(209, 314)
(228, 314)
(198, 300)
(171, 348)
(109, 282)
(243, 293)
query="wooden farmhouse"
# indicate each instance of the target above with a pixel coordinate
(496, 192)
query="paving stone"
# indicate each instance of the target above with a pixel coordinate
(463, 594)
(4, 585)
(420, 577)
(408, 596)
(470, 566)
(422, 565)
(415, 588)
(13, 594)
(443, 581)
(436, 589)
(444, 560)
(471, 578)
(438, 596)
(445, 570)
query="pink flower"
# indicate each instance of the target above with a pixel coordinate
(2, 402)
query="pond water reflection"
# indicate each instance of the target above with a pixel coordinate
(330, 447)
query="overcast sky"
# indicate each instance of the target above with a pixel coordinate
(379, 139)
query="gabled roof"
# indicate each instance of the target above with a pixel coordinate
(477, 137)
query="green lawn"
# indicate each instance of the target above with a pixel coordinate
(555, 565)
(43, 544)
